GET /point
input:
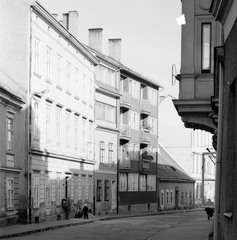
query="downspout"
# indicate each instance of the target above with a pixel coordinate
(219, 155)
(29, 128)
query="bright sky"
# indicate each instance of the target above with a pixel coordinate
(151, 37)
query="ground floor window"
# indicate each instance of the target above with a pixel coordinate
(123, 182)
(151, 182)
(132, 182)
(162, 198)
(36, 189)
(99, 190)
(10, 192)
(106, 190)
(142, 185)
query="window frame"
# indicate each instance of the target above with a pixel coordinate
(10, 131)
(10, 193)
(36, 190)
(102, 152)
(106, 190)
(99, 190)
(203, 52)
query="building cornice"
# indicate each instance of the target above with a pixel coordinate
(45, 14)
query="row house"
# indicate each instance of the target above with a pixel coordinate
(107, 96)
(207, 95)
(12, 155)
(53, 67)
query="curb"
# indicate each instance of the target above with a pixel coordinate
(43, 229)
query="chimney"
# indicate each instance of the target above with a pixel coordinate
(95, 38)
(70, 22)
(73, 23)
(55, 15)
(115, 48)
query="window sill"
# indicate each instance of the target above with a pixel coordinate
(68, 92)
(10, 153)
(37, 75)
(59, 87)
(49, 81)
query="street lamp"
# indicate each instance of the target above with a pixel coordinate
(30, 148)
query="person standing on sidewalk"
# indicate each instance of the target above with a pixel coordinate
(85, 211)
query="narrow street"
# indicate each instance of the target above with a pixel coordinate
(191, 225)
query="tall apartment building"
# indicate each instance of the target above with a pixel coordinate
(57, 72)
(138, 142)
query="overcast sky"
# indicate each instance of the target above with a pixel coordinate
(151, 37)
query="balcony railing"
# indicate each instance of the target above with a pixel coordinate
(145, 107)
(144, 137)
(125, 132)
(125, 100)
(125, 163)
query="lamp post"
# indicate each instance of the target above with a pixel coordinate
(30, 151)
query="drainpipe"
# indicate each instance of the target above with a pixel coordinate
(219, 155)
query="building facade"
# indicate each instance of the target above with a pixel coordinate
(13, 169)
(107, 96)
(59, 79)
(138, 142)
(211, 25)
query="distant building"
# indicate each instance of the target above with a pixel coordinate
(176, 189)
(189, 148)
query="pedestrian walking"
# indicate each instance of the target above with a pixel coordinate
(85, 211)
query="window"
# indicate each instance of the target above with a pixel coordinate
(36, 190)
(206, 47)
(76, 83)
(76, 132)
(58, 189)
(10, 132)
(142, 183)
(84, 88)
(90, 189)
(99, 190)
(134, 120)
(58, 125)
(123, 182)
(135, 89)
(67, 129)
(105, 112)
(91, 92)
(151, 183)
(167, 197)
(90, 146)
(106, 190)
(68, 77)
(102, 152)
(162, 198)
(132, 182)
(37, 55)
(76, 189)
(48, 64)
(36, 120)
(47, 190)
(59, 70)
(48, 122)
(110, 159)
(10, 192)
(171, 196)
(84, 135)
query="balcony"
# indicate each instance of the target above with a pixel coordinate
(125, 163)
(125, 101)
(144, 137)
(125, 133)
(145, 107)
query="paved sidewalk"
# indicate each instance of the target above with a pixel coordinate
(26, 229)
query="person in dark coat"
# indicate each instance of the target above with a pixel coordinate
(85, 211)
